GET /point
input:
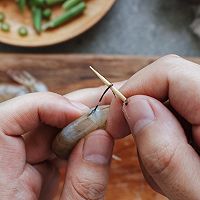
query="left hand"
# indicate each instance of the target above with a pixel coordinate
(28, 125)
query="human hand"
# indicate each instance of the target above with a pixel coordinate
(169, 164)
(28, 125)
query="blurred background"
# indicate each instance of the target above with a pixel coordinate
(139, 27)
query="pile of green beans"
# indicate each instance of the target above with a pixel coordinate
(42, 11)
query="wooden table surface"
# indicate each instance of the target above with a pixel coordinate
(65, 73)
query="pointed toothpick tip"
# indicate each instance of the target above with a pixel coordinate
(108, 83)
(96, 72)
(92, 68)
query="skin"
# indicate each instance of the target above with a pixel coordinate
(169, 164)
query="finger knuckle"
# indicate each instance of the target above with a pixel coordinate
(87, 189)
(171, 60)
(160, 160)
(169, 57)
(172, 56)
(50, 94)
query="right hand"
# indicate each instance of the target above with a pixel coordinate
(170, 165)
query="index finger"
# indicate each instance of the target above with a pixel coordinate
(170, 77)
(25, 113)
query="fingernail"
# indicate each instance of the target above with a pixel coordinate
(98, 148)
(138, 114)
(79, 106)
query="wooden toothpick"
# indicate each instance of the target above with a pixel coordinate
(109, 84)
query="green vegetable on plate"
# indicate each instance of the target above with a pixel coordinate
(70, 3)
(66, 16)
(37, 18)
(5, 27)
(47, 13)
(23, 31)
(53, 2)
(43, 9)
(39, 3)
(2, 17)
(21, 4)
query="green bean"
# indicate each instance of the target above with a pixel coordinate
(2, 17)
(37, 18)
(5, 27)
(21, 4)
(39, 3)
(47, 13)
(53, 2)
(66, 16)
(23, 31)
(31, 3)
(70, 3)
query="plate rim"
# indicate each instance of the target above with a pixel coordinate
(59, 39)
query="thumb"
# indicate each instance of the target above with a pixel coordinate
(163, 149)
(88, 167)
